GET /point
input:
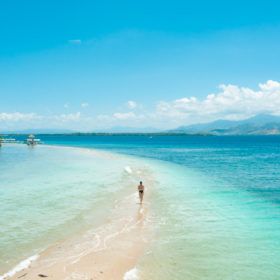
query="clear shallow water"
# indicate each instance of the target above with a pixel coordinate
(216, 205)
(249, 163)
(207, 232)
(50, 193)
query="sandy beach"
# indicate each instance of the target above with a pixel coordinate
(109, 252)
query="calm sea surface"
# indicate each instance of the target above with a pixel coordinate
(216, 206)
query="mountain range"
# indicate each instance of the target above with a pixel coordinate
(258, 125)
(263, 124)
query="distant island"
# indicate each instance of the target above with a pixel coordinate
(258, 125)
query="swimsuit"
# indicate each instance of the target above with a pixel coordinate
(141, 191)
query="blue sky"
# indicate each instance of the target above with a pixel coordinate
(88, 65)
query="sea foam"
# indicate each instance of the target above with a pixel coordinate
(131, 274)
(21, 266)
(128, 169)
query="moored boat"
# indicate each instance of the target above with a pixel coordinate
(32, 141)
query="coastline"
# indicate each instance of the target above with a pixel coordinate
(109, 251)
(197, 225)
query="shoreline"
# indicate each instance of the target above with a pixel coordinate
(110, 251)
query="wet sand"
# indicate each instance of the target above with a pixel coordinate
(109, 250)
(106, 252)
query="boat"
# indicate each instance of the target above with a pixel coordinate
(8, 140)
(32, 141)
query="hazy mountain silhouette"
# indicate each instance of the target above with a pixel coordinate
(257, 125)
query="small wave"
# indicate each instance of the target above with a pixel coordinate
(128, 169)
(131, 274)
(21, 266)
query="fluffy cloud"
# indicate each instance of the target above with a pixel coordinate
(124, 116)
(15, 117)
(31, 117)
(232, 102)
(67, 117)
(270, 85)
(131, 104)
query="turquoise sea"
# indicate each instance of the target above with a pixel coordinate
(216, 205)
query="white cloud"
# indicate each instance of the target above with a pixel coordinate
(131, 104)
(15, 117)
(270, 85)
(232, 102)
(124, 116)
(31, 120)
(67, 117)
(84, 104)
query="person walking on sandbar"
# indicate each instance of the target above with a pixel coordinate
(141, 191)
